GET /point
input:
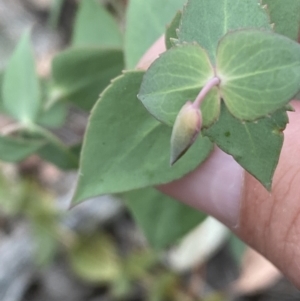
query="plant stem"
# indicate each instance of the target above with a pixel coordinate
(215, 81)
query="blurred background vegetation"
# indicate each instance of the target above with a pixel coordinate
(137, 246)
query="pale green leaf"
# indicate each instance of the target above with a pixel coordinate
(21, 90)
(163, 220)
(95, 26)
(125, 148)
(146, 22)
(255, 145)
(17, 149)
(285, 15)
(207, 21)
(171, 32)
(176, 77)
(80, 74)
(95, 259)
(259, 71)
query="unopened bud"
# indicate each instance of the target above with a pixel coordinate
(185, 130)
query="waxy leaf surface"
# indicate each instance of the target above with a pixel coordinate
(21, 89)
(125, 148)
(285, 15)
(155, 212)
(176, 77)
(206, 22)
(259, 71)
(255, 145)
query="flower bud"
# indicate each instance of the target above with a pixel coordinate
(185, 130)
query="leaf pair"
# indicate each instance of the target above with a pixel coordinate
(259, 73)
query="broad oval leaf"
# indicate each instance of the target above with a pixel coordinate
(125, 148)
(259, 70)
(94, 26)
(21, 89)
(146, 22)
(207, 21)
(176, 77)
(256, 146)
(149, 205)
(80, 74)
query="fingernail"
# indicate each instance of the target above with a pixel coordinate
(215, 187)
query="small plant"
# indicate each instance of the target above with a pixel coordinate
(226, 79)
(230, 70)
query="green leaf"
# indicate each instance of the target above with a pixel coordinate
(163, 220)
(146, 22)
(176, 77)
(259, 71)
(17, 149)
(125, 148)
(286, 16)
(171, 32)
(255, 145)
(95, 26)
(55, 151)
(206, 22)
(95, 259)
(80, 74)
(21, 90)
(55, 116)
(60, 156)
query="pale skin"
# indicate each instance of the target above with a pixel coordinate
(268, 222)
